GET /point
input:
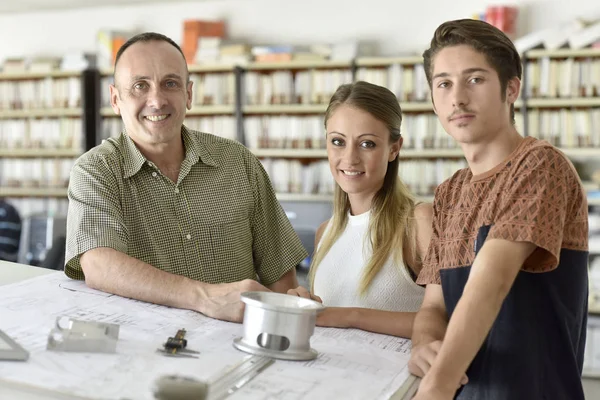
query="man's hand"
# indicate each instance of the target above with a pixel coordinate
(433, 394)
(223, 301)
(302, 292)
(422, 358)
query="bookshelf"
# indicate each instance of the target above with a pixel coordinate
(276, 109)
(47, 120)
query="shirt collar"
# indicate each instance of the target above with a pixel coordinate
(194, 151)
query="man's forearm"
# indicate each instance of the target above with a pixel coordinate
(114, 272)
(430, 325)
(492, 275)
(470, 323)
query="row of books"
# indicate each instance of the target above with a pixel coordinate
(568, 128)
(420, 131)
(408, 82)
(284, 132)
(423, 176)
(40, 93)
(220, 125)
(35, 173)
(207, 89)
(291, 176)
(289, 87)
(45, 133)
(72, 62)
(564, 78)
(565, 127)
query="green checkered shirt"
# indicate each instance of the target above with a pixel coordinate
(219, 223)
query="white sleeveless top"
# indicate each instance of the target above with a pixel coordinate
(339, 273)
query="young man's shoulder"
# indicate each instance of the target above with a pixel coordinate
(539, 154)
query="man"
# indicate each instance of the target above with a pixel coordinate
(505, 305)
(171, 216)
(10, 232)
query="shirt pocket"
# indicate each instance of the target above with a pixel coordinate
(232, 250)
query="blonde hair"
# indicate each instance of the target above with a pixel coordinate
(392, 209)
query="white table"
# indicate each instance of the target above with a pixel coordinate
(11, 273)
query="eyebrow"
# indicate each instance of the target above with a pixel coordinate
(465, 72)
(361, 135)
(145, 77)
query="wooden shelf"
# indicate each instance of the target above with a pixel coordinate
(594, 308)
(431, 153)
(590, 186)
(286, 109)
(32, 192)
(193, 69)
(566, 102)
(21, 76)
(290, 153)
(41, 113)
(582, 152)
(562, 53)
(40, 153)
(299, 64)
(197, 110)
(590, 373)
(305, 197)
(385, 61)
(416, 106)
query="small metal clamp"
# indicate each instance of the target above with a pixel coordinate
(177, 346)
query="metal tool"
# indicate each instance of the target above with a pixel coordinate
(83, 336)
(177, 346)
(238, 376)
(11, 350)
(175, 387)
(278, 325)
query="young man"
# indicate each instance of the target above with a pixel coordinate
(171, 216)
(506, 271)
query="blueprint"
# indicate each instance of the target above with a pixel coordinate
(352, 364)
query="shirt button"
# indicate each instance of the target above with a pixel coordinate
(176, 190)
(154, 174)
(188, 236)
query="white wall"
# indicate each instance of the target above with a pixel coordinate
(399, 26)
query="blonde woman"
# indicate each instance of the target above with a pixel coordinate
(369, 253)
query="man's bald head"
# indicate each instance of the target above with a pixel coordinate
(145, 38)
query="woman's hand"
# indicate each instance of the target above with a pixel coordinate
(302, 292)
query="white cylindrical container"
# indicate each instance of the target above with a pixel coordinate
(278, 325)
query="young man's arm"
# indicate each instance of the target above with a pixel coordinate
(492, 275)
(428, 331)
